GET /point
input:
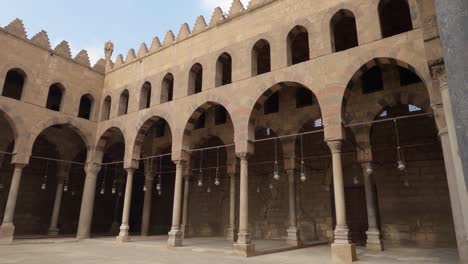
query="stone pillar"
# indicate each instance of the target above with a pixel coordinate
(53, 229)
(123, 235)
(8, 228)
(175, 235)
(374, 241)
(185, 225)
(87, 202)
(293, 238)
(343, 251)
(63, 171)
(146, 219)
(244, 245)
(452, 19)
(231, 231)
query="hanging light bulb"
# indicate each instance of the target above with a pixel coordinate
(200, 178)
(103, 191)
(120, 193)
(276, 174)
(113, 189)
(303, 174)
(160, 193)
(401, 165)
(65, 188)
(268, 131)
(369, 170)
(200, 183)
(144, 188)
(406, 183)
(271, 186)
(217, 182)
(208, 190)
(258, 189)
(158, 187)
(44, 179)
(356, 180)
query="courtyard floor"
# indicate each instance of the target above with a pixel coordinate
(196, 251)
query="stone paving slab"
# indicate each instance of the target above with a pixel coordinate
(99, 251)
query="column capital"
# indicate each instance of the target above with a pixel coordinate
(335, 146)
(20, 165)
(130, 170)
(243, 155)
(180, 163)
(92, 169)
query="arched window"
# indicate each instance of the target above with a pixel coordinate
(123, 103)
(167, 88)
(224, 70)
(261, 58)
(106, 109)
(343, 31)
(395, 17)
(195, 79)
(86, 106)
(145, 96)
(14, 82)
(54, 98)
(298, 45)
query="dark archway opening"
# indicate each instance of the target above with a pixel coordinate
(344, 31)
(14, 83)
(395, 17)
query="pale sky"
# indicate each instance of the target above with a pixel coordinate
(88, 24)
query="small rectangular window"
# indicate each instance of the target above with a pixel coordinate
(200, 122)
(220, 115)
(272, 104)
(372, 81)
(304, 97)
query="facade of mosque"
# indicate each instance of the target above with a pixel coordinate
(328, 121)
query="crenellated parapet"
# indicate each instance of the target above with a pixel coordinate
(41, 39)
(218, 17)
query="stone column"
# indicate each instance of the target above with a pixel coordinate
(244, 245)
(175, 235)
(343, 251)
(185, 225)
(8, 228)
(123, 235)
(293, 238)
(87, 202)
(374, 241)
(62, 173)
(53, 229)
(231, 231)
(146, 219)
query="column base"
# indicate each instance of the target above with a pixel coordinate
(231, 234)
(294, 238)
(373, 241)
(6, 234)
(123, 236)
(343, 253)
(185, 229)
(244, 250)
(53, 232)
(175, 238)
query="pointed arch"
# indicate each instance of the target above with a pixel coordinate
(123, 103)
(298, 45)
(167, 88)
(86, 106)
(55, 96)
(223, 70)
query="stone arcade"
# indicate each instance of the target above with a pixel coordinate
(330, 122)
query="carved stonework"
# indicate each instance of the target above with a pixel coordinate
(108, 49)
(439, 73)
(335, 146)
(243, 155)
